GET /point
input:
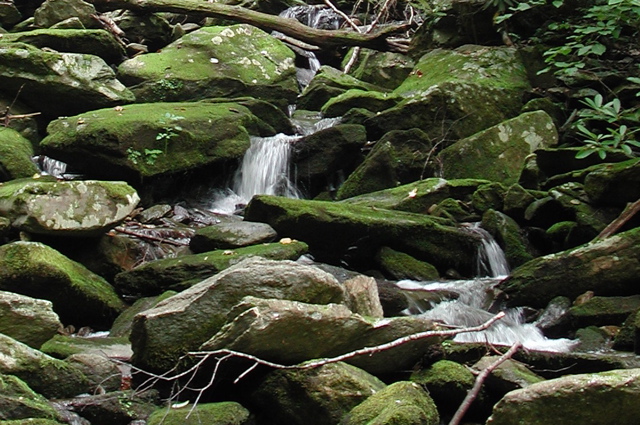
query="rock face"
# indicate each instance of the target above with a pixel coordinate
(607, 267)
(589, 399)
(215, 62)
(69, 208)
(185, 321)
(28, 320)
(86, 79)
(79, 296)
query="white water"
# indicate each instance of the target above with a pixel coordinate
(473, 297)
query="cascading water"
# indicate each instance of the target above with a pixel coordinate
(466, 302)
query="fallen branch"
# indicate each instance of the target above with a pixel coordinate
(626, 215)
(287, 26)
(149, 237)
(473, 392)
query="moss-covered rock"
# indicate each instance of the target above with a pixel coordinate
(157, 276)
(398, 266)
(614, 184)
(509, 236)
(97, 42)
(602, 311)
(79, 296)
(498, 153)
(328, 391)
(44, 374)
(45, 79)
(355, 98)
(52, 12)
(508, 376)
(63, 346)
(221, 413)
(18, 401)
(28, 320)
(456, 93)
(231, 235)
(400, 403)
(360, 230)
(146, 140)
(587, 399)
(215, 62)
(489, 196)
(384, 69)
(15, 155)
(66, 208)
(607, 267)
(447, 381)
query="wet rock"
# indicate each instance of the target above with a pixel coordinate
(221, 413)
(614, 184)
(28, 320)
(625, 339)
(606, 266)
(554, 320)
(602, 311)
(91, 42)
(44, 78)
(231, 235)
(509, 376)
(18, 401)
(66, 208)
(509, 236)
(329, 391)
(79, 296)
(47, 376)
(392, 299)
(215, 62)
(563, 400)
(384, 69)
(183, 322)
(15, 155)
(498, 153)
(399, 266)
(401, 402)
(157, 276)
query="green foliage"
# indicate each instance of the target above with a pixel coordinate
(170, 129)
(149, 155)
(604, 127)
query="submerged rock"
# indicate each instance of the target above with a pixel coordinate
(590, 399)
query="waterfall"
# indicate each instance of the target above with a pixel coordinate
(464, 303)
(50, 166)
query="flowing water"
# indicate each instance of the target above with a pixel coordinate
(464, 303)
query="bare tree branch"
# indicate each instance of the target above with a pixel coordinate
(629, 211)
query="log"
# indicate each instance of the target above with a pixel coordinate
(290, 27)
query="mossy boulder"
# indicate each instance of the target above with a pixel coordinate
(360, 231)
(146, 140)
(329, 391)
(384, 69)
(28, 320)
(614, 184)
(18, 401)
(373, 101)
(607, 267)
(508, 376)
(398, 265)
(157, 276)
(79, 296)
(123, 323)
(221, 413)
(186, 320)
(64, 346)
(98, 42)
(60, 83)
(447, 382)
(229, 235)
(218, 61)
(400, 403)
(15, 155)
(604, 311)
(45, 375)
(498, 153)
(78, 208)
(586, 399)
(456, 93)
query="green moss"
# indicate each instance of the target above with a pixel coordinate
(15, 155)
(223, 413)
(400, 266)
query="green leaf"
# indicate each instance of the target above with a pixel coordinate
(584, 153)
(598, 49)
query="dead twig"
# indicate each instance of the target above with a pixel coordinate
(473, 392)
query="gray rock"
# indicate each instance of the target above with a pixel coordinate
(329, 391)
(589, 399)
(54, 11)
(363, 296)
(9, 14)
(231, 235)
(28, 320)
(103, 374)
(66, 208)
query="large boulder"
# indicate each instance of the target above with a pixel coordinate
(28, 320)
(45, 375)
(79, 296)
(498, 153)
(455, 93)
(357, 232)
(329, 391)
(18, 401)
(606, 267)
(157, 276)
(59, 83)
(142, 141)
(384, 69)
(589, 399)
(239, 60)
(400, 403)
(290, 332)
(66, 208)
(186, 320)
(15, 155)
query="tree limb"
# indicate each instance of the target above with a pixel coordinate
(287, 26)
